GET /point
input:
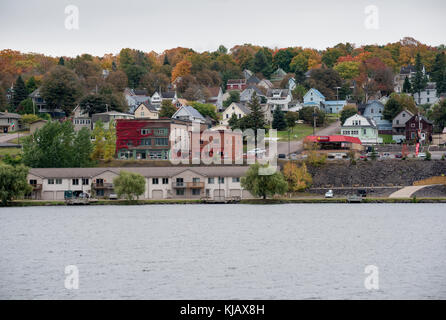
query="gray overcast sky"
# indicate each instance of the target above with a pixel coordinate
(108, 26)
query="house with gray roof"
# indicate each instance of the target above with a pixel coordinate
(374, 110)
(246, 94)
(188, 113)
(239, 109)
(9, 122)
(363, 128)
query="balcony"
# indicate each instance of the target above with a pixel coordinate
(188, 185)
(36, 187)
(102, 186)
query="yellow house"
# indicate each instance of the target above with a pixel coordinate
(146, 111)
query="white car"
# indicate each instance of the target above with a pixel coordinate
(422, 155)
(257, 151)
(329, 194)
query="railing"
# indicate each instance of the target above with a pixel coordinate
(188, 185)
(102, 185)
(36, 186)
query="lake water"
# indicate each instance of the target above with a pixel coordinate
(299, 251)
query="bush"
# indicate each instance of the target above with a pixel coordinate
(428, 156)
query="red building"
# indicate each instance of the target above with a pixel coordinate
(146, 139)
(419, 128)
(236, 84)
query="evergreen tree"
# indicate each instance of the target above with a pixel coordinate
(61, 61)
(114, 66)
(419, 81)
(20, 92)
(262, 63)
(256, 119)
(439, 72)
(31, 85)
(407, 87)
(233, 122)
(166, 60)
(167, 109)
(279, 122)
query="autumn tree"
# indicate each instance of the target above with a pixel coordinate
(325, 80)
(182, 69)
(297, 177)
(118, 79)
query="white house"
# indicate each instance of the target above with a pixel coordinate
(292, 84)
(428, 95)
(278, 98)
(239, 109)
(363, 128)
(189, 113)
(246, 95)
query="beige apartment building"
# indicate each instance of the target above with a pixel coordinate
(215, 183)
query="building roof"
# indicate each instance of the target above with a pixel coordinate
(335, 102)
(253, 80)
(168, 94)
(140, 92)
(149, 172)
(283, 92)
(35, 93)
(192, 112)
(369, 122)
(241, 106)
(253, 88)
(214, 91)
(9, 115)
(236, 81)
(335, 138)
(150, 107)
(408, 69)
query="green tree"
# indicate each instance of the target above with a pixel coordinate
(167, 109)
(27, 119)
(291, 118)
(26, 106)
(129, 185)
(438, 115)
(439, 72)
(263, 62)
(256, 119)
(306, 114)
(56, 145)
(99, 141)
(61, 89)
(20, 92)
(264, 185)
(407, 86)
(206, 109)
(348, 70)
(299, 92)
(31, 85)
(347, 112)
(13, 183)
(331, 56)
(110, 142)
(61, 61)
(397, 103)
(279, 122)
(234, 96)
(419, 81)
(233, 122)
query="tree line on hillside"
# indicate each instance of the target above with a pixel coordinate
(66, 82)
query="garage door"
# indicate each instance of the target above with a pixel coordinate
(219, 194)
(235, 192)
(60, 195)
(48, 195)
(157, 194)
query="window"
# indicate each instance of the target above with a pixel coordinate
(180, 192)
(397, 121)
(58, 181)
(365, 131)
(235, 180)
(142, 113)
(227, 116)
(162, 141)
(75, 182)
(85, 181)
(195, 180)
(145, 131)
(165, 180)
(146, 142)
(221, 180)
(50, 181)
(412, 125)
(211, 180)
(180, 182)
(100, 181)
(404, 115)
(129, 142)
(100, 193)
(33, 182)
(196, 192)
(155, 181)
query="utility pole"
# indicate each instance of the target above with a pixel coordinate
(314, 121)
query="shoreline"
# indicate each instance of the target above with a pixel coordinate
(43, 203)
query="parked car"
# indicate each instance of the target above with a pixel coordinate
(293, 156)
(399, 156)
(422, 155)
(329, 194)
(282, 156)
(362, 193)
(113, 196)
(386, 155)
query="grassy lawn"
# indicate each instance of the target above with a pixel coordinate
(299, 132)
(10, 151)
(387, 138)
